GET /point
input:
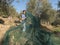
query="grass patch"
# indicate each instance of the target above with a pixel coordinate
(57, 29)
(56, 40)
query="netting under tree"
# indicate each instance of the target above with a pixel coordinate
(34, 34)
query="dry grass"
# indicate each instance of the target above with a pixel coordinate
(4, 27)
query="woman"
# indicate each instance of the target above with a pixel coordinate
(23, 18)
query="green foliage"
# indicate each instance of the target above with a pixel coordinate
(4, 6)
(12, 11)
(31, 6)
(43, 9)
(6, 9)
(56, 40)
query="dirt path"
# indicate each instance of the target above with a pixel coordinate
(3, 29)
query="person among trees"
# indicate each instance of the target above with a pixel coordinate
(23, 18)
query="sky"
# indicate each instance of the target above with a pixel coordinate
(21, 5)
(54, 3)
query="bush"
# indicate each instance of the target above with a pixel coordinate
(56, 22)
